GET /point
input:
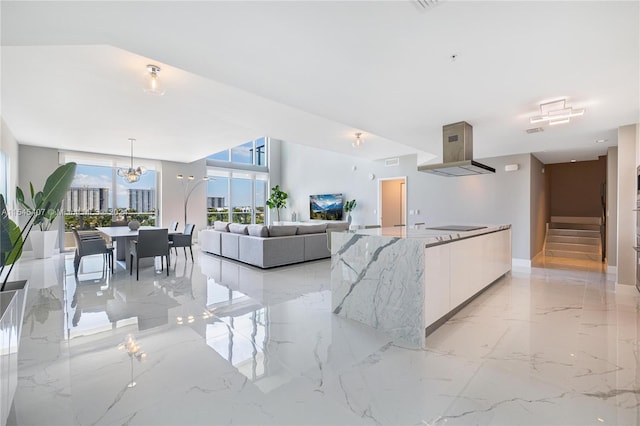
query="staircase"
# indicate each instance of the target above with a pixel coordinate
(574, 237)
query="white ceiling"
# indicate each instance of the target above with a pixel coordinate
(315, 72)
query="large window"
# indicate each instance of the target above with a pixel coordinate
(98, 197)
(236, 196)
(4, 176)
(237, 191)
(252, 153)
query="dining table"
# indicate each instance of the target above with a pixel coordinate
(122, 237)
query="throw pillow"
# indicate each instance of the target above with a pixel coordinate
(282, 230)
(238, 228)
(312, 229)
(221, 226)
(258, 231)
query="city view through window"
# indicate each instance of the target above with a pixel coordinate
(98, 197)
(235, 195)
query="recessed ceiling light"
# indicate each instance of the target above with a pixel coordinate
(601, 140)
(573, 160)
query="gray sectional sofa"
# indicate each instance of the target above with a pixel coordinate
(269, 246)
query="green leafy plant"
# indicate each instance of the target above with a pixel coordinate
(46, 204)
(350, 205)
(277, 200)
(50, 198)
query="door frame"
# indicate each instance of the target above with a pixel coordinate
(404, 197)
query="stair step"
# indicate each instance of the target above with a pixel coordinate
(576, 219)
(570, 239)
(583, 226)
(574, 233)
(573, 254)
(582, 248)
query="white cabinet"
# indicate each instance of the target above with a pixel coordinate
(436, 283)
(456, 271)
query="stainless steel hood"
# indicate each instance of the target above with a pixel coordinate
(457, 153)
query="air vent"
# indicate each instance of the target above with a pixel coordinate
(391, 162)
(535, 130)
(426, 4)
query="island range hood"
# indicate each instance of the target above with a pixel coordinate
(457, 153)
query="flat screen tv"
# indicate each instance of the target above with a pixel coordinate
(325, 207)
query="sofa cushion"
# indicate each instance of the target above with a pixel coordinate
(338, 226)
(258, 230)
(221, 226)
(238, 228)
(312, 229)
(282, 230)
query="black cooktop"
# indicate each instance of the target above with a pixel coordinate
(462, 228)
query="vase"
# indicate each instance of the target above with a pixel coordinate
(134, 225)
(43, 243)
(349, 218)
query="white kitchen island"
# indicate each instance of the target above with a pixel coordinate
(407, 282)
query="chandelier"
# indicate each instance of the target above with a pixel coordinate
(131, 174)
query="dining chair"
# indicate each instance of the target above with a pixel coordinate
(173, 226)
(90, 245)
(150, 243)
(183, 240)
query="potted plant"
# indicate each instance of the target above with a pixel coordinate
(277, 200)
(348, 207)
(12, 238)
(45, 207)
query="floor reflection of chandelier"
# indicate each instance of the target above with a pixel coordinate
(131, 174)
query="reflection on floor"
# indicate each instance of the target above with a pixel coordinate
(227, 343)
(542, 261)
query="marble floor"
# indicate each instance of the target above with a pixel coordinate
(230, 344)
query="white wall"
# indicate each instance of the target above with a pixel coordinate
(503, 197)
(627, 148)
(172, 194)
(35, 165)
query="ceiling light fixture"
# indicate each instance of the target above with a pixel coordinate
(153, 81)
(556, 112)
(131, 174)
(358, 140)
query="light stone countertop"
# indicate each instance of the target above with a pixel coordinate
(430, 237)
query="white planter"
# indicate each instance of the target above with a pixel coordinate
(43, 243)
(12, 303)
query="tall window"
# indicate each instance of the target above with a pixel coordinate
(98, 197)
(4, 176)
(237, 191)
(236, 196)
(252, 153)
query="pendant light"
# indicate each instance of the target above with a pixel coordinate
(131, 174)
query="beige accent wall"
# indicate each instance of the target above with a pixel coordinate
(627, 190)
(539, 205)
(612, 206)
(575, 187)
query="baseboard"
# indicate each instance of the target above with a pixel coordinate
(626, 289)
(521, 263)
(28, 254)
